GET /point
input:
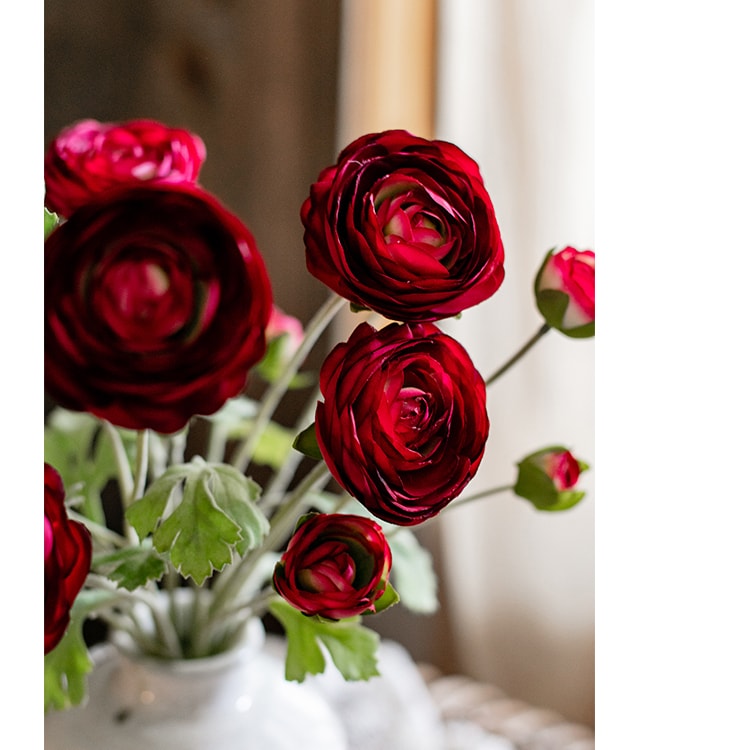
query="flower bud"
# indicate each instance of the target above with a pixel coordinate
(564, 290)
(335, 566)
(548, 478)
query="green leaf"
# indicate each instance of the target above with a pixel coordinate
(274, 446)
(73, 445)
(353, 648)
(307, 443)
(51, 220)
(133, 567)
(413, 573)
(198, 514)
(66, 666)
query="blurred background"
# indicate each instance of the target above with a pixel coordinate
(276, 88)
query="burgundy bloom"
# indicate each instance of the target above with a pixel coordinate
(335, 566)
(564, 290)
(404, 422)
(156, 305)
(67, 559)
(89, 157)
(404, 226)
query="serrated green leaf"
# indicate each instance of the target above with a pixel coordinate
(132, 567)
(307, 443)
(198, 513)
(413, 573)
(353, 648)
(303, 654)
(66, 666)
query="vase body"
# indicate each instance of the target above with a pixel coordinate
(238, 700)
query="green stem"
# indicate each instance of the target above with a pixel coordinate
(99, 531)
(124, 475)
(244, 452)
(525, 348)
(480, 495)
(141, 467)
(165, 630)
(280, 482)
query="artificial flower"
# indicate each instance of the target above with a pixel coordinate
(404, 226)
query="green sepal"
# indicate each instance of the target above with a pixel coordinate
(307, 443)
(198, 514)
(352, 647)
(66, 666)
(51, 220)
(552, 304)
(413, 572)
(355, 308)
(131, 567)
(388, 598)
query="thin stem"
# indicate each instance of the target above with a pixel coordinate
(244, 452)
(525, 348)
(275, 489)
(141, 466)
(124, 475)
(480, 495)
(99, 531)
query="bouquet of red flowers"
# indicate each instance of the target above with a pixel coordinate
(159, 315)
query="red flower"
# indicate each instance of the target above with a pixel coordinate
(156, 304)
(404, 226)
(67, 559)
(404, 421)
(334, 565)
(564, 290)
(90, 157)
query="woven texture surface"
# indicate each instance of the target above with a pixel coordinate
(460, 698)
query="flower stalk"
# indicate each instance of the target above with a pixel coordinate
(517, 356)
(244, 452)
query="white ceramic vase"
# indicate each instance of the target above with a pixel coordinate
(238, 700)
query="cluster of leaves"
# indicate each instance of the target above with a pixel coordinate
(194, 519)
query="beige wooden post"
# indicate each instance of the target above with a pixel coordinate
(387, 77)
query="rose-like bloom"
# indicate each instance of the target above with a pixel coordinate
(564, 289)
(404, 226)
(156, 304)
(90, 157)
(67, 559)
(335, 566)
(404, 421)
(548, 478)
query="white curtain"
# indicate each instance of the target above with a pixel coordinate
(515, 91)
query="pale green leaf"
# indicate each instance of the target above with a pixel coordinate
(413, 573)
(66, 666)
(352, 647)
(198, 514)
(132, 567)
